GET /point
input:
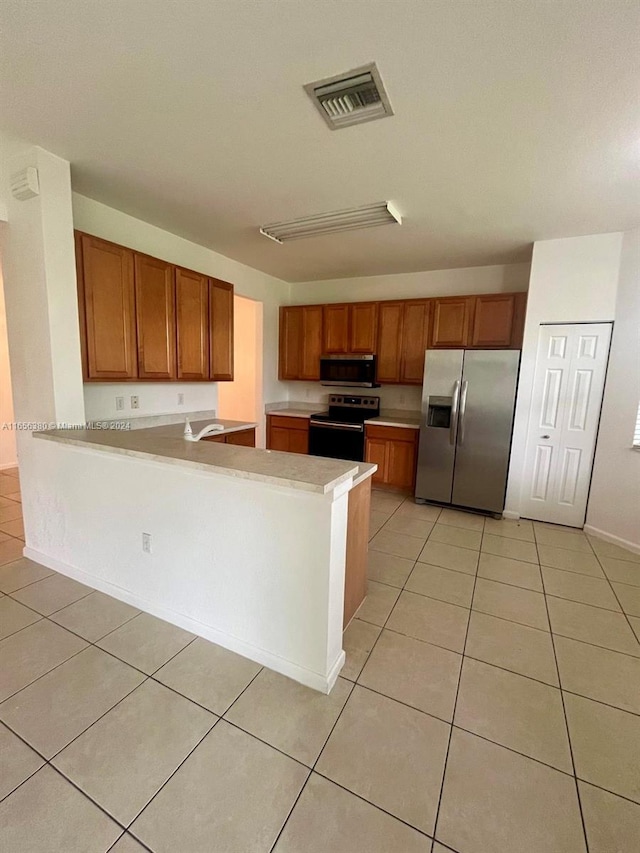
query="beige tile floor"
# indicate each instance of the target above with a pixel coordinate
(490, 703)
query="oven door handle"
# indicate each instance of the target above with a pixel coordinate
(338, 425)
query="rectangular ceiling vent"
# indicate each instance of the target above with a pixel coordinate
(351, 98)
(382, 213)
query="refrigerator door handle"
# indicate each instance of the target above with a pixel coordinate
(463, 409)
(455, 399)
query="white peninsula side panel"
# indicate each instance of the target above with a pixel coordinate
(255, 567)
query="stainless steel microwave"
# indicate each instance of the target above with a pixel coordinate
(348, 371)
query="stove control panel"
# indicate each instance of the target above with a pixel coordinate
(353, 402)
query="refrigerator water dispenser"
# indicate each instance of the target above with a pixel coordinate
(439, 412)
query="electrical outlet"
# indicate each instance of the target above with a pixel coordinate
(119, 404)
(146, 543)
(181, 399)
(135, 401)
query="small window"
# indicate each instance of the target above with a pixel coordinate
(636, 432)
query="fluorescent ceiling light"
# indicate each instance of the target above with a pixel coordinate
(382, 213)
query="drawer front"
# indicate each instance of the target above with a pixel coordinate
(392, 433)
(289, 423)
(244, 438)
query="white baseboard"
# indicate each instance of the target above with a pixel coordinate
(285, 667)
(511, 515)
(615, 540)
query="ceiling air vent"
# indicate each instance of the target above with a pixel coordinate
(351, 98)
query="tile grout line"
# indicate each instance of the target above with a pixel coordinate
(564, 709)
(613, 590)
(455, 702)
(313, 769)
(513, 586)
(354, 684)
(124, 835)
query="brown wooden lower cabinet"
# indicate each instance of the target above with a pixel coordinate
(288, 434)
(395, 451)
(355, 573)
(243, 437)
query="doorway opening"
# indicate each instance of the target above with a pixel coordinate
(242, 399)
(11, 525)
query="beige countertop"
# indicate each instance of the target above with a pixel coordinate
(196, 426)
(410, 422)
(165, 444)
(294, 413)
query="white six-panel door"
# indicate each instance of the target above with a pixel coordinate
(563, 424)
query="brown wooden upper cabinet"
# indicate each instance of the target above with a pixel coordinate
(192, 312)
(498, 320)
(451, 322)
(106, 302)
(290, 351)
(300, 342)
(350, 328)
(221, 330)
(390, 335)
(142, 318)
(415, 340)
(403, 337)
(155, 319)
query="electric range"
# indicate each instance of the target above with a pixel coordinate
(339, 432)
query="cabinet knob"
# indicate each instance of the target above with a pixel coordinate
(545, 436)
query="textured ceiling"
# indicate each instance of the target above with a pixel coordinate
(514, 120)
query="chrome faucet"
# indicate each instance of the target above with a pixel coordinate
(204, 432)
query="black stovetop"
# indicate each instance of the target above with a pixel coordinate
(349, 409)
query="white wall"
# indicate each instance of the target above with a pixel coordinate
(103, 221)
(573, 280)
(614, 501)
(8, 452)
(414, 285)
(41, 302)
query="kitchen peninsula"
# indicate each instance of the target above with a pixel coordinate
(247, 548)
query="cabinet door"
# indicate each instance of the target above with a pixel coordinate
(415, 340)
(298, 441)
(451, 324)
(243, 438)
(363, 325)
(109, 309)
(376, 452)
(290, 366)
(279, 438)
(311, 343)
(155, 318)
(401, 464)
(336, 329)
(493, 320)
(520, 310)
(389, 348)
(192, 315)
(221, 330)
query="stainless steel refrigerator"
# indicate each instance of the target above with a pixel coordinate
(468, 401)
